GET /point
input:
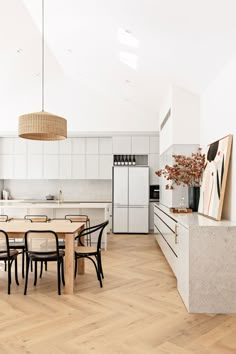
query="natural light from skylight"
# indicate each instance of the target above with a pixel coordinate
(125, 37)
(129, 59)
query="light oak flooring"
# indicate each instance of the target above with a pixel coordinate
(138, 311)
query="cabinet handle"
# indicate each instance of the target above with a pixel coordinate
(176, 235)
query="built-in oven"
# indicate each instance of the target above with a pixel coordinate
(154, 192)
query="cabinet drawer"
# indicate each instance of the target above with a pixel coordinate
(168, 253)
(171, 223)
(168, 233)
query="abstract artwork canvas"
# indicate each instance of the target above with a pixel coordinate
(214, 178)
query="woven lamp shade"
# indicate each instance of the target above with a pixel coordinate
(42, 126)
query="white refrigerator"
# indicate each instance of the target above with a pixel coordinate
(130, 199)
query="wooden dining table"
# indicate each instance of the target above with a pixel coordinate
(64, 229)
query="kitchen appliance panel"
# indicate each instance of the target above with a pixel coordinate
(120, 186)
(120, 219)
(138, 220)
(138, 186)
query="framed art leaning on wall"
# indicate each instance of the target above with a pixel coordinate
(215, 177)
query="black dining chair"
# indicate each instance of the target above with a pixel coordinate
(43, 246)
(91, 253)
(81, 218)
(8, 256)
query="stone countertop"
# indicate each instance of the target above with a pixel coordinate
(194, 219)
(53, 205)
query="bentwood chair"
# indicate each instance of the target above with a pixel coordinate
(19, 244)
(43, 246)
(8, 256)
(92, 253)
(61, 242)
(81, 218)
(38, 218)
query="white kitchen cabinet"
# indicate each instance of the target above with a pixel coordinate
(50, 147)
(35, 147)
(121, 144)
(105, 166)
(78, 146)
(78, 167)
(50, 166)
(92, 167)
(65, 146)
(105, 146)
(65, 170)
(92, 146)
(138, 219)
(6, 146)
(20, 167)
(151, 216)
(6, 166)
(35, 167)
(154, 145)
(120, 220)
(19, 146)
(140, 145)
(154, 163)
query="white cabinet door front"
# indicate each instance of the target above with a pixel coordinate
(105, 166)
(120, 220)
(138, 220)
(35, 166)
(50, 166)
(78, 146)
(6, 166)
(138, 186)
(120, 188)
(91, 146)
(105, 146)
(140, 144)
(154, 164)
(78, 167)
(64, 166)
(121, 144)
(19, 166)
(92, 167)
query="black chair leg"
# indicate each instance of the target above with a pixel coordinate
(99, 260)
(27, 273)
(76, 259)
(41, 270)
(16, 272)
(35, 273)
(23, 263)
(5, 267)
(9, 276)
(46, 265)
(62, 272)
(58, 277)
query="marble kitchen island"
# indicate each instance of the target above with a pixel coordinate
(97, 211)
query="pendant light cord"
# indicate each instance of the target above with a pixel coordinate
(42, 55)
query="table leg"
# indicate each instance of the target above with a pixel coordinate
(69, 264)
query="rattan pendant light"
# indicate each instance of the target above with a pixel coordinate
(42, 125)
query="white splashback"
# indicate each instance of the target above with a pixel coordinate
(81, 190)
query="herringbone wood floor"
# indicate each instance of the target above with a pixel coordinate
(138, 311)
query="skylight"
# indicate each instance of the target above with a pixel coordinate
(125, 37)
(129, 59)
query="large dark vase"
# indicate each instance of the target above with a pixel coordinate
(193, 197)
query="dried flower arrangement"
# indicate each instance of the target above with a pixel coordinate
(186, 171)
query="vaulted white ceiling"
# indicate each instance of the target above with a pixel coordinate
(184, 42)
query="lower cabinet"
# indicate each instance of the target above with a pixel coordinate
(173, 239)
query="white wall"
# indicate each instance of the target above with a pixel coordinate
(217, 120)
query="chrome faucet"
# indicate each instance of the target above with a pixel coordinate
(60, 197)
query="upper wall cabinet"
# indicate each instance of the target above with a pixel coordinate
(140, 145)
(105, 146)
(65, 146)
(78, 146)
(91, 146)
(19, 146)
(6, 146)
(35, 147)
(121, 144)
(50, 147)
